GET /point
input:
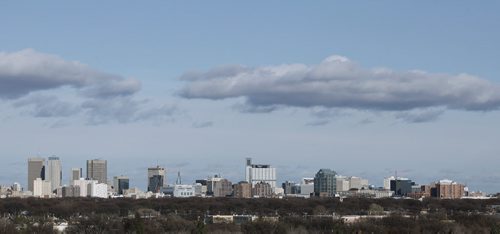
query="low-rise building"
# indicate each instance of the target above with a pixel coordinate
(42, 188)
(242, 189)
(447, 189)
(262, 189)
(219, 187)
(183, 190)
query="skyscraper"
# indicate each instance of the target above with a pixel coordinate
(53, 173)
(255, 173)
(76, 174)
(97, 169)
(156, 179)
(36, 169)
(324, 183)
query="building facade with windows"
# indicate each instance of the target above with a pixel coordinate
(97, 169)
(325, 183)
(255, 173)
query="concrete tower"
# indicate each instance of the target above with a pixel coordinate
(36, 169)
(97, 169)
(53, 173)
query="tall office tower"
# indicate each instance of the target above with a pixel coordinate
(97, 169)
(53, 173)
(120, 183)
(255, 173)
(156, 179)
(76, 174)
(36, 169)
(324, 183)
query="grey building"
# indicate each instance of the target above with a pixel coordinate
(120, 183)
(76, 174)
(324, 183)
(156, 179)
(97, 169)
(289, 187)
(70, 191)
(53, 172)
(401, 187)
(36, 169)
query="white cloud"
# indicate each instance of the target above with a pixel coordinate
(26, 71)
(338, 82)
(32, 80)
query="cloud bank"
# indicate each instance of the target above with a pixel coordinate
(338, 82)
(30, 80)
(27, 71)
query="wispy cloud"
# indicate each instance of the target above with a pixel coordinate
(47, 106)
(205, 124)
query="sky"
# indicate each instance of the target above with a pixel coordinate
(367, 89)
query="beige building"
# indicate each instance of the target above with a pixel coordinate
(262, 189)
(219, 187)
(242, 190)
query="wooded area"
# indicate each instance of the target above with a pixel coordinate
(292, 215)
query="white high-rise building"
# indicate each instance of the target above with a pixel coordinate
(53, 173)
(83, 184)
(91, 188)
(99, 190)
(255, 173)
(41, 188)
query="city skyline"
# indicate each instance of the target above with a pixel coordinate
(254, 174)
(364, 89)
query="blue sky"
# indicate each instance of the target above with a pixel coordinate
(141, 51)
